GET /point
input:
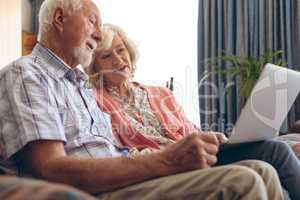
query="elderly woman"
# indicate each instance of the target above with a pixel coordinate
(143, 118)
(148, 118)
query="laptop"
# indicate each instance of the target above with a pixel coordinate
(267, 107)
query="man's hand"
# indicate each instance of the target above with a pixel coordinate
(196, 151)
(221, 137)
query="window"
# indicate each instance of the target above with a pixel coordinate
(10, 20)
(166, 34)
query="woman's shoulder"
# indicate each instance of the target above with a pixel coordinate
(157, 91)
(152, 88)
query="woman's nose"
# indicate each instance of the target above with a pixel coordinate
(117, 59)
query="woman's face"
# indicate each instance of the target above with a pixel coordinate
(114, 63)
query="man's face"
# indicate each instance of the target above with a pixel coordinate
(81, 34)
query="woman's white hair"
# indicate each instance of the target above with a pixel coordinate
(47, 10)
(109, 31)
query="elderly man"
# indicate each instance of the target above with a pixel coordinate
(51, 127)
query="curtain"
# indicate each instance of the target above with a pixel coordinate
(241, 27)
(35, 4)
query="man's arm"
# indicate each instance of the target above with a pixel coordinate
(48, 160)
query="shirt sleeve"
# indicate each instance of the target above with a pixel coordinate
(32, 114)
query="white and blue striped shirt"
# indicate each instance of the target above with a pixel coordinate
(41, 98)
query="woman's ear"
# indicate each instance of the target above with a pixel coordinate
(58, 19)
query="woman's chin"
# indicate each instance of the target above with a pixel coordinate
(117, 81)
(123, 77)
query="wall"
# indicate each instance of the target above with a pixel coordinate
(10, 34)
(167, 42)
(26, 16)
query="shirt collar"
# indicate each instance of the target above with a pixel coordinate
(56, 66)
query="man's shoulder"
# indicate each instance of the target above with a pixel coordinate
(24, 65)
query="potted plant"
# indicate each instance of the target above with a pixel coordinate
(247, 69)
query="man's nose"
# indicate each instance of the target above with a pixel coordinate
(97, 34)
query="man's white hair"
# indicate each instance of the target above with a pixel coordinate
(47, 10)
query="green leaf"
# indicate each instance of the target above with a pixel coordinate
(248, 69)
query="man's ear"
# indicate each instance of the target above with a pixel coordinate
(58, 19)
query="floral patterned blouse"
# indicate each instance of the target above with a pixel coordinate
(138, 112)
